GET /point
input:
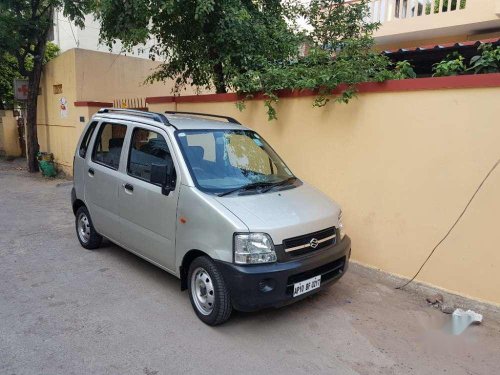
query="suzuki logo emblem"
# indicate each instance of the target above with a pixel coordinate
(314, 243)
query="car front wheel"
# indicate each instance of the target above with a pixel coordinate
(208, 292)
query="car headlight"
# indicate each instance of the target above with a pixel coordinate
(253, 248)
(341, 226)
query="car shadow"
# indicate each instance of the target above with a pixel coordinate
(142, 267)
(160, 278)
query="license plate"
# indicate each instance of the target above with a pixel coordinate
(306, 285)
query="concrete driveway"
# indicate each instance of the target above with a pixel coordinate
(66, 310)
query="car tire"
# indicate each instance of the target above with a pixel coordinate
(208, 292)
(85, 231)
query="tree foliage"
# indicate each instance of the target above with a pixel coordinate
(252, 46)
(488, 61)
(25, 24)
(204, 43)
(9, 70)
(452, 65)
(403, 70)
(340, 55)
(24, 27)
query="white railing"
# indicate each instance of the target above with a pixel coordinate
(388, 10)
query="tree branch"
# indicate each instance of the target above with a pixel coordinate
(44, 9)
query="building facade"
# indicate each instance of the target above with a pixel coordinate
(66, 35)
(413, 23)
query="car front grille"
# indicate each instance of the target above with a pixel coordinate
(310, 242)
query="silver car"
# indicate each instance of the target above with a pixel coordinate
(209, 201)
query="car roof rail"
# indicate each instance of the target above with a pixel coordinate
(158, 117)
(229, 119)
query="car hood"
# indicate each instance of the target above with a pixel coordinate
(286, 213)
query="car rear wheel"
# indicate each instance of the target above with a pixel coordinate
(208, 292)
(85, 230)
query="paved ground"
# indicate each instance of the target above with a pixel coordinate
(66, 310)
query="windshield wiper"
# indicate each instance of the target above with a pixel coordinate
(246, 187)
(281, 183)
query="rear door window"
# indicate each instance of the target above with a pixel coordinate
(108, 145)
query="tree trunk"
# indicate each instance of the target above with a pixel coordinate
(32, 146)
(218, 71)
(220, 84)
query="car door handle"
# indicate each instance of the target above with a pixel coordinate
(91, 171)
(128, 187)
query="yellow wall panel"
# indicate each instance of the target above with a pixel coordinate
(402, 165)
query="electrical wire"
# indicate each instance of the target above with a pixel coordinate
(453, 226)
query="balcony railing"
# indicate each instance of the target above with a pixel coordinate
(384, 11)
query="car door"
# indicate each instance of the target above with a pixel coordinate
(101, 178)
(149, 217)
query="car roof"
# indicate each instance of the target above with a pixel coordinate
(180, 121)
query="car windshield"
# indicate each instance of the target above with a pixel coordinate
(223, 161)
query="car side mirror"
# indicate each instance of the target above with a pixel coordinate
(163, 174)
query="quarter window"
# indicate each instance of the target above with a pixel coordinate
(108, 145)
(146, 148)
(86, 140)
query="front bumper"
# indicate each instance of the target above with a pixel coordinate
(255, 287)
